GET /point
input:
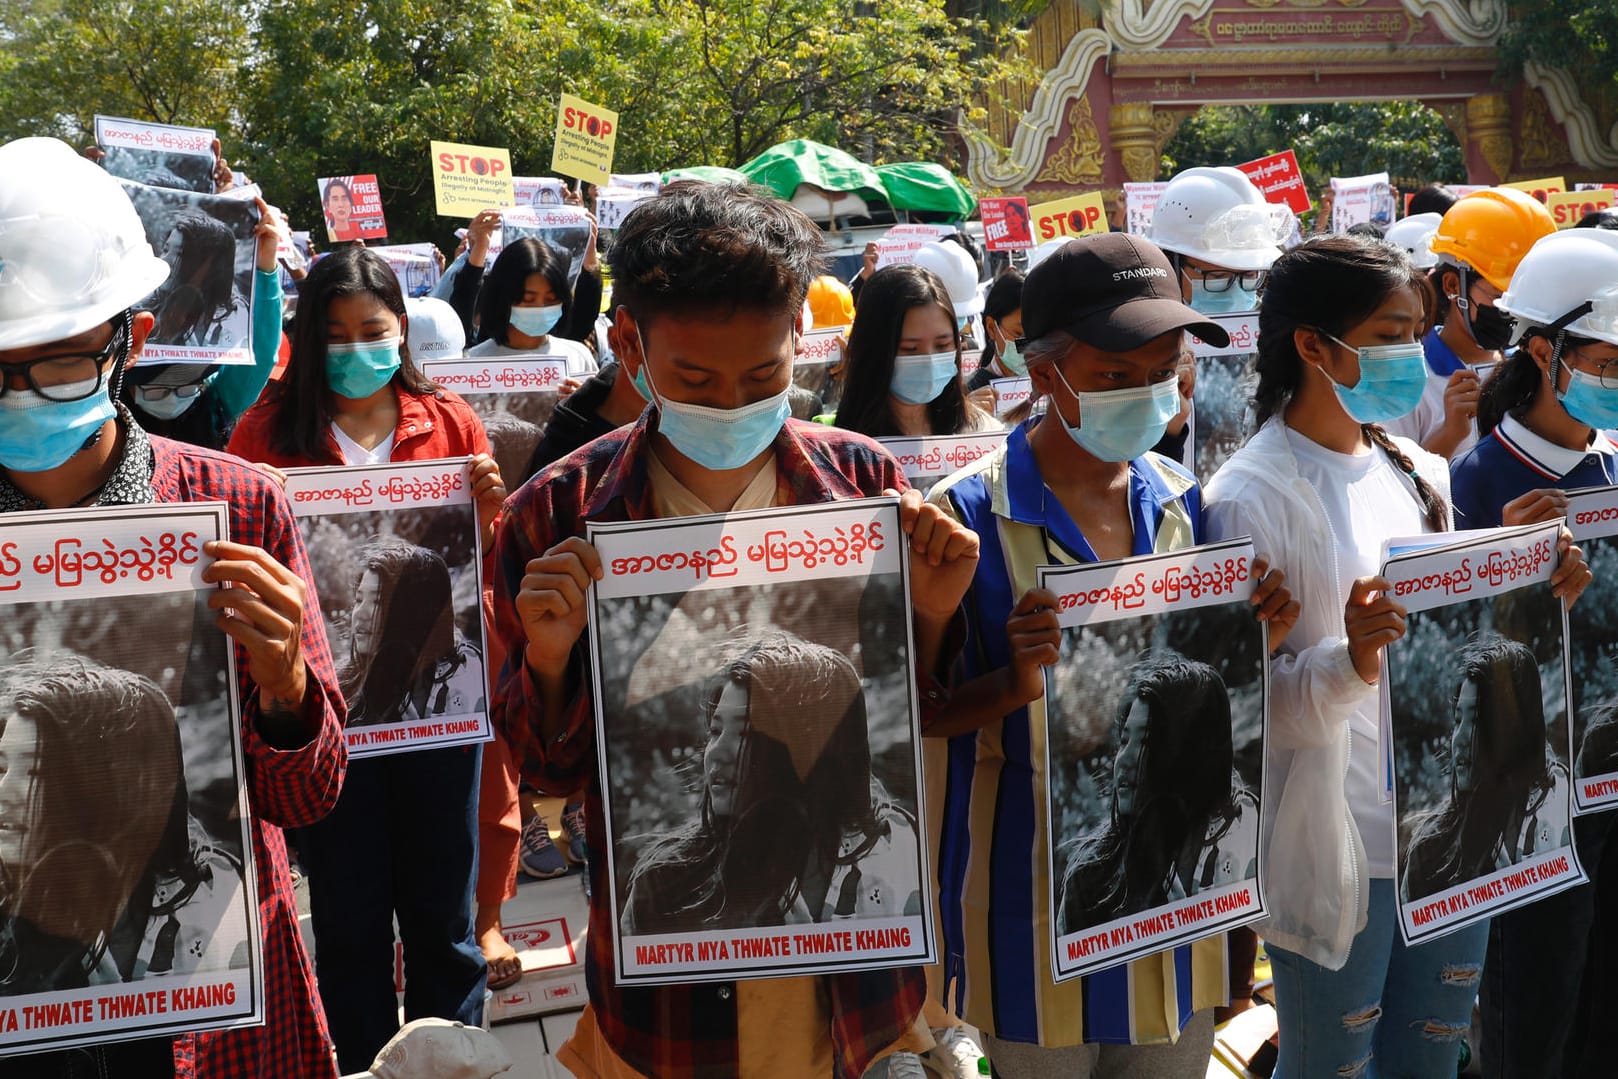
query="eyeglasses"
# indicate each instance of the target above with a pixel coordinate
(1606, 370)
(1220, 280)
(63, 378)
(159, 393)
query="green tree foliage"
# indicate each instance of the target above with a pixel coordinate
(301, 89)
(1405, 138)
(1579, 35)
(173, 61)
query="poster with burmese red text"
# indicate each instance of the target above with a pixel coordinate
(1153, 752)
(514, 396)
(927, 460)
(1478, 698)
(757, 730)
(134, 913)
(398, 563)
(1592, 516)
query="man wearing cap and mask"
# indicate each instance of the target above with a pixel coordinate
(74, 263)
(1103, 319)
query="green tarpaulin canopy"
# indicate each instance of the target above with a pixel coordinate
(713, 174)
(922, 185)
(784, 167)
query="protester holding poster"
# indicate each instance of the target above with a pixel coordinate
(199, 403)
(520, 303)
(83, 449)
(1337, 357)
(1540, 426)
(716, 438)
(1479, 242)
(353, 396)
(902, 368)
(1103, 319)
(1221, 240)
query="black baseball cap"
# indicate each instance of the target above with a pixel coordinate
(1113, 291)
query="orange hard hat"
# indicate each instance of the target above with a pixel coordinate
(1491, 231)
(830, 302)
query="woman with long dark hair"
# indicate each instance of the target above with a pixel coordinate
(793, 827)
(1321, 487)
(902, 367)
(1496, 761)
(521, 304)
(352, 396)
(104, 876)
(200, 294)
(406, 661)
(1174, 801)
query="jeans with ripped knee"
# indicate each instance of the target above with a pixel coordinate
(1392, 1012)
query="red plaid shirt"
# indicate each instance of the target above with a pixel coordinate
(286, 788)
(673, 1031)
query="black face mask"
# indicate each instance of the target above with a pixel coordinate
(1490, 327)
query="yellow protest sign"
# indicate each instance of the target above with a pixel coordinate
(1080, 215)
(470, 179)
(585, 137)
(1567, 207)
(1540, 189)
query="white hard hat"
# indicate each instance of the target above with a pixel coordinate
(1414, 236)
(1045, 251)
(1216, 215)
(441, 1049)
(433, 331)
(73, 252)
(1561, 274)
(954, 266)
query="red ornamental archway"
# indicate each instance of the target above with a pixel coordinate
(1112, 91)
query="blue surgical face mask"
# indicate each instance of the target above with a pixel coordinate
(358, 370)
(173, 405)
(1392, 378)
(1011, 358)
(718, 438)
(1120, 425)
(38, 434)
(639, 382)
(536, 321)
(1233, 300)
(1589, 402)
(918, 380)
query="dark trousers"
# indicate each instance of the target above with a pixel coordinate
(402, 843)
(1546, 966)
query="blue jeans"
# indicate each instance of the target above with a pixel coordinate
(1544, 968)
(1392, 1011)
(402, 842)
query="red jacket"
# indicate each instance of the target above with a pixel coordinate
(431, 426)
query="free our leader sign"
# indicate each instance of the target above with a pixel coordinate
(470, 179)
(585, 137)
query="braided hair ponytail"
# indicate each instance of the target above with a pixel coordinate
(1434, 509)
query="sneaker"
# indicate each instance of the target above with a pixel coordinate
(954, 1055)
(539, 858)
(573, 826)
(897, 1066)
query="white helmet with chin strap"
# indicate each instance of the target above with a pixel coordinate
(73, 252)
(1567, 283)
(1414, 236)
(1216, 215)
(954, 266)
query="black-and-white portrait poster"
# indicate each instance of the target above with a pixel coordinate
(202, 310)
(514, 396)
(128, 898)
(1223, 393)
(1592, 637)
(758, 737)
(1155, 719)
(1477, 715)
(565, 228)
(158, 155)
(927, 460)
(398, 563)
